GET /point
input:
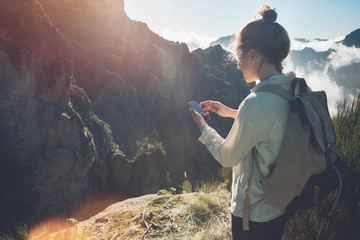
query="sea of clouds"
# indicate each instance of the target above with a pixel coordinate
(320, 78)
(193, 40)
(317, 78)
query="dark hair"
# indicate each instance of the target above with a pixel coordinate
(266, 36)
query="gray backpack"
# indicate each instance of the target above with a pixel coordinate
(308, 166)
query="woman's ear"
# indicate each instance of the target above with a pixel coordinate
(253, 54)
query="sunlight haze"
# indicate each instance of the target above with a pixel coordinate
(211, 19)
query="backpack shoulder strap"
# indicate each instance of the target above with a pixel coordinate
(276, 89)
(321, 97)
(282, 92)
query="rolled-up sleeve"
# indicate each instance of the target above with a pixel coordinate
(241, 139)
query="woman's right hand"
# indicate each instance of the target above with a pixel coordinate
(219, 108)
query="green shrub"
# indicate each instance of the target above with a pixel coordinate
(223, 180)
(207, 186)
(21, 233)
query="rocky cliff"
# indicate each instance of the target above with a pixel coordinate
(140, 83)
(54, 150)
(92, 102)
(46, 148)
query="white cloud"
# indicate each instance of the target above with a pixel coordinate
(320, 80)
(193, 40)
(316, 44)
(343, 56)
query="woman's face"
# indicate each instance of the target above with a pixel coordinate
(247, 65)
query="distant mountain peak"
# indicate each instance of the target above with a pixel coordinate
(353, 39)
(307, 40)
(225, 42)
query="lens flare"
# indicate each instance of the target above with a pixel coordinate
(69, 228)
(186, 185)
(169, 71)
(57, 228)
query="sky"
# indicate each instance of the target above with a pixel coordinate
(211, 19)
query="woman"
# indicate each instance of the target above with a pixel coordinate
(259, 125)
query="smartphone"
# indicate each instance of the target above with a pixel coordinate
(198, 109)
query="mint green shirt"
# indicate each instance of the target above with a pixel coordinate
(260, 123)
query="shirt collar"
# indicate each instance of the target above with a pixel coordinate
(278, 79)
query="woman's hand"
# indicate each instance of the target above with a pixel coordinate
(219, 108)
(199, 120)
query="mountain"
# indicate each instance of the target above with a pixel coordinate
(304, 40)
(338, 63)
(226, 42)
(140, 83)
(353, 39)
(55, 151)
(308, 57)
(94, 104)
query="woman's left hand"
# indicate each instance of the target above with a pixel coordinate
(199, 120)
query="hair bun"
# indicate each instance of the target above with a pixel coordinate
(268, 15)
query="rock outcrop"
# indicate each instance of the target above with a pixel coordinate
(182, 216)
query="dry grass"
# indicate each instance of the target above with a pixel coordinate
(185, 216)
(57, 229)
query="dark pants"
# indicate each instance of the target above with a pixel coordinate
(271, 230)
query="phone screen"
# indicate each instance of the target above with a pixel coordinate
(196, 107)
